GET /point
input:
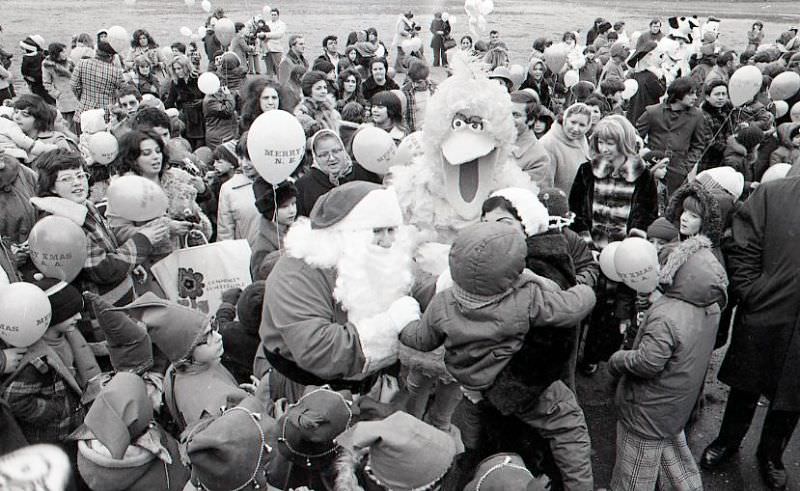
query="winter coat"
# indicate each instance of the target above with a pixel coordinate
(17, 187)
(44, 394)
(644, 201)
(613, 70)
(265, 250)
(237, 216)
(718, 127)
(754, 113)
(681, 134)
(763, 260)
(311, 186)
(737, 156)
(197, 391)
(787, 152)
(700, 71)
(109, 263)
(31, 70)
(565, 156)
(188, 99)
(221, 123)
(545, 355)
(651, 88)
(95, 82)
(369, 88)
(532, 157)
(57, 79)
(13, 138)
(481, 339)
(321, 112)
(307, 327)
(290, 59)
(663, 374)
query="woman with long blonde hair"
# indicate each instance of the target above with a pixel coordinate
(185, 96)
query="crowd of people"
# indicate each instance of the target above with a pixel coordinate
(414, 326)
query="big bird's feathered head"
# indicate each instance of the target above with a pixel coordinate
(468, 134)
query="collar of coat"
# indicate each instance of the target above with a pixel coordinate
(41, 356)
(629, 171)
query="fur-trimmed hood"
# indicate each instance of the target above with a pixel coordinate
(693, 273)
(712, 221)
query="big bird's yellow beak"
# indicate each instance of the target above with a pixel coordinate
(469, 159)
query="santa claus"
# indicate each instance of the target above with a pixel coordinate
(336, 302)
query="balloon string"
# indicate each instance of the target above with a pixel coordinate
(275, 217)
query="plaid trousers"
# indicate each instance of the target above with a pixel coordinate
(644, 463)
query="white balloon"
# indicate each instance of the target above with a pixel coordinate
(136, 198)
(631, 88)
(775, 172)
(25, 314)
(571, 78)
(276, 143)
(487, 6)
(266, 10)
(636, 262)
(206, 5)
(606, 261)
(409, 148)
(374, 149)
(201, 31)
(118, 38)
(103, 147)
(185, 31)
(208, 83)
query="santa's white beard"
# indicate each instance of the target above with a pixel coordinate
(369, 277)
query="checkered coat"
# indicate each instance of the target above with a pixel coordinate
(95, 83)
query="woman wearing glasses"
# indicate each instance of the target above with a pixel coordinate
(331, 167)
(63, 189)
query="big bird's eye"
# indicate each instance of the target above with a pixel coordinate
(458, 122)
(476, 126)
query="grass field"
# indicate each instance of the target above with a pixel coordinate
(519, 21)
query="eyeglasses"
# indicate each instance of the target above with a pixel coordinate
(79, 176)
(332, 153)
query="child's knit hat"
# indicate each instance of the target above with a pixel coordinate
(749, 137)
(662, 229)
(129, 346)
(65, 299)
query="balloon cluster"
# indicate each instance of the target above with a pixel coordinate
(477, 10)
(633, 261)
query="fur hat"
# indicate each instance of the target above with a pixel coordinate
(487, 258)
(267, 196)
(231, 450)
(712, 220)
(65, 299)
(174, 329)
(404, 453)
(129, 345)
(357, 205)
(531, 211)
(505, 472)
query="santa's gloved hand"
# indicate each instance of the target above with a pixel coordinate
(403, 311)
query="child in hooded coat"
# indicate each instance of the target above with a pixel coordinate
(121, 447)
(483, 320)
(664, 372)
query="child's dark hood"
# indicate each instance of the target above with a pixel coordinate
(712, 221)
(693, 274)
(784, 134)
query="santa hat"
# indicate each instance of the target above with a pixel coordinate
(33, 43)
(65, 299)
(129, 346)
(231, 451)
(305, 434)
(504, 472)
(404, 452)
(357, 205)
(120, 414)
(174, 329)
(530, 210)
